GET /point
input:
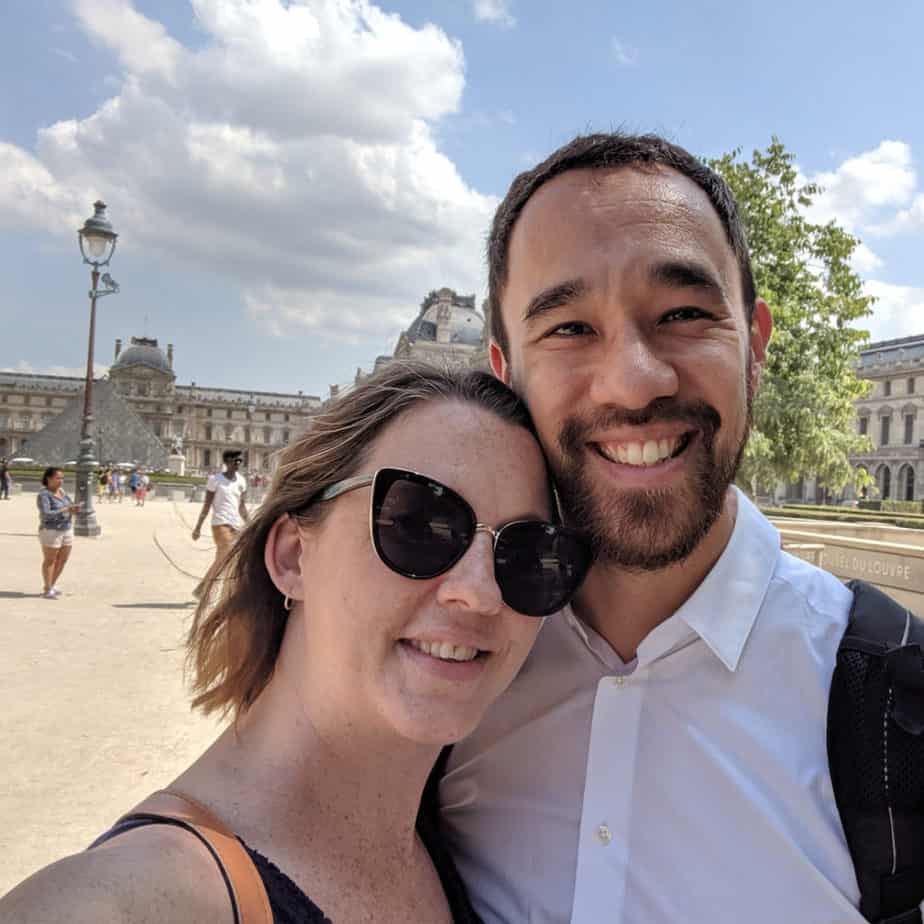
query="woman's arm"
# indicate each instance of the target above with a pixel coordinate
(146, 876)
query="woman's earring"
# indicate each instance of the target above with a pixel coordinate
(288, 603)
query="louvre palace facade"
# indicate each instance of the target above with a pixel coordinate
(201, 421)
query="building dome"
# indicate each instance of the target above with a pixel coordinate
(143, 352)
(463, 323)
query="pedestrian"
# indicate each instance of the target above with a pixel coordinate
(6, 480)
(134, 479)
(56, 531)
(102, 484)
(115, 486)
(368, 615)
(225, 497)
(141, 488)
(662, 756)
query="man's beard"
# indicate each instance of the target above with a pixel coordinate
(640, 529)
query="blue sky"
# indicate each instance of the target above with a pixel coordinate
(290, 179)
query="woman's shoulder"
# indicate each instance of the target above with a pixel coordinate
(150, 874)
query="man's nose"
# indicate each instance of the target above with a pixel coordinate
(470, 583)
(630, 372)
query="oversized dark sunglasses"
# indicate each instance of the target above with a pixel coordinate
(420, 529)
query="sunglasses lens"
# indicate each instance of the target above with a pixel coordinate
(539, 566)
(420, 529)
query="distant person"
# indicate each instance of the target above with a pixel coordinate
(134, 479)
(141, 488)
(56, 531)
(369, 615)
(115, 486)
(224, 496)
(6, 480)
(102, 484)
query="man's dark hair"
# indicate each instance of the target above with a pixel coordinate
(609, 151)
(231, 455)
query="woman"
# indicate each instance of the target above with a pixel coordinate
(380, 599)
(56, 532)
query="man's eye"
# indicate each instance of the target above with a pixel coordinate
(569, 329)
(687, 313)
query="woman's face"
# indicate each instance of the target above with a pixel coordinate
(363, 623)
(54, 481)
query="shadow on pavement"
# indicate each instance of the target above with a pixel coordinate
(152, 606)
(15, 595)
(26, 535)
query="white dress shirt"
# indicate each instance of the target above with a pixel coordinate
(691, 785)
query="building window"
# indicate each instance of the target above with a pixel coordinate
(208, 412)
(909, 428)
(208, 432)
(885, 424)
(287, 418)
(266, 435)
(206, 458)
(887, 387)
(285, 436)
(864, 426)
(909, 484)
(885, 488)
(911, 386)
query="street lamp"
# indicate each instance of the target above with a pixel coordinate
(97, 245)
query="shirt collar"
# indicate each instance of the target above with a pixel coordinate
(723, 609)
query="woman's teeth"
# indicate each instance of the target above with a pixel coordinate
(444, 650)
(650, 452)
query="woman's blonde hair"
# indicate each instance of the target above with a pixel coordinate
(239, 623)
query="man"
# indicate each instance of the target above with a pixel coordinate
(224, 496)
(5, 480)
(662, 755)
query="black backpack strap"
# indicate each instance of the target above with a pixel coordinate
(876, 753)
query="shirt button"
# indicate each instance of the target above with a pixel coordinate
(619, 681)
(604, 835)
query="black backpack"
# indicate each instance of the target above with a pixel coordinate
(876, 753)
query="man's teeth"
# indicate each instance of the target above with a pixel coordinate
(651, 452)
(444, 650)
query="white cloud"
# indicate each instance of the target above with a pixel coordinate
(898, 312)
(294, 152)
(74, 372)
(863, 187)
(906, 221)
(864, 261)
(623, 54)
(495, 11)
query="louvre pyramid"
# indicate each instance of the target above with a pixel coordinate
(120, 433)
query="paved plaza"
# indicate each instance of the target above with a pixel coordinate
(94, 712)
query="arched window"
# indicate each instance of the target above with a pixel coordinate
(885, 482)
(909, 483)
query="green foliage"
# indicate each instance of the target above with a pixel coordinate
(804, 420)
(901, 506)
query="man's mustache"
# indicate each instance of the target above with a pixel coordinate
(698, 414)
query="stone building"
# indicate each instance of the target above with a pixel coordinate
(199, 421)
(892, 415)
(448, 330)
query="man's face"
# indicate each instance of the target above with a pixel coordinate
(629, 341)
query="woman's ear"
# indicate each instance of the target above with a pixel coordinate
(283, 556)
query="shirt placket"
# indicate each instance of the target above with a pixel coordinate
(606, 816)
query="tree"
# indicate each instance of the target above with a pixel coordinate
(804, 417)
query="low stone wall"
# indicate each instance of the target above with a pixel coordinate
(895, 567)
(878, 532)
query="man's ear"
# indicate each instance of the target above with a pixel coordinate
(283, 556)
(761, 330)
(498, 362)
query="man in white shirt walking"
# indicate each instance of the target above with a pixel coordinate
(662, 755)
(224, 496)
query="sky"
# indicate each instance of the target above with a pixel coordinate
(290, 179)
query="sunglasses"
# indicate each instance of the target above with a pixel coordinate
(421, 529)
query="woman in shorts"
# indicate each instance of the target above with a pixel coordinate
(56, 532)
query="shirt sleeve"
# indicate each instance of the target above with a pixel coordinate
(43, 501)
(212, 484)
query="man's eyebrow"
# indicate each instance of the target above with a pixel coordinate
(686, 274)
(553, 297)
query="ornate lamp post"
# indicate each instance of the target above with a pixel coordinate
(97, 245)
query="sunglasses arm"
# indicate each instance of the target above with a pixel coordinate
(342, 487)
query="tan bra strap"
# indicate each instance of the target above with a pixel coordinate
(248, 894)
